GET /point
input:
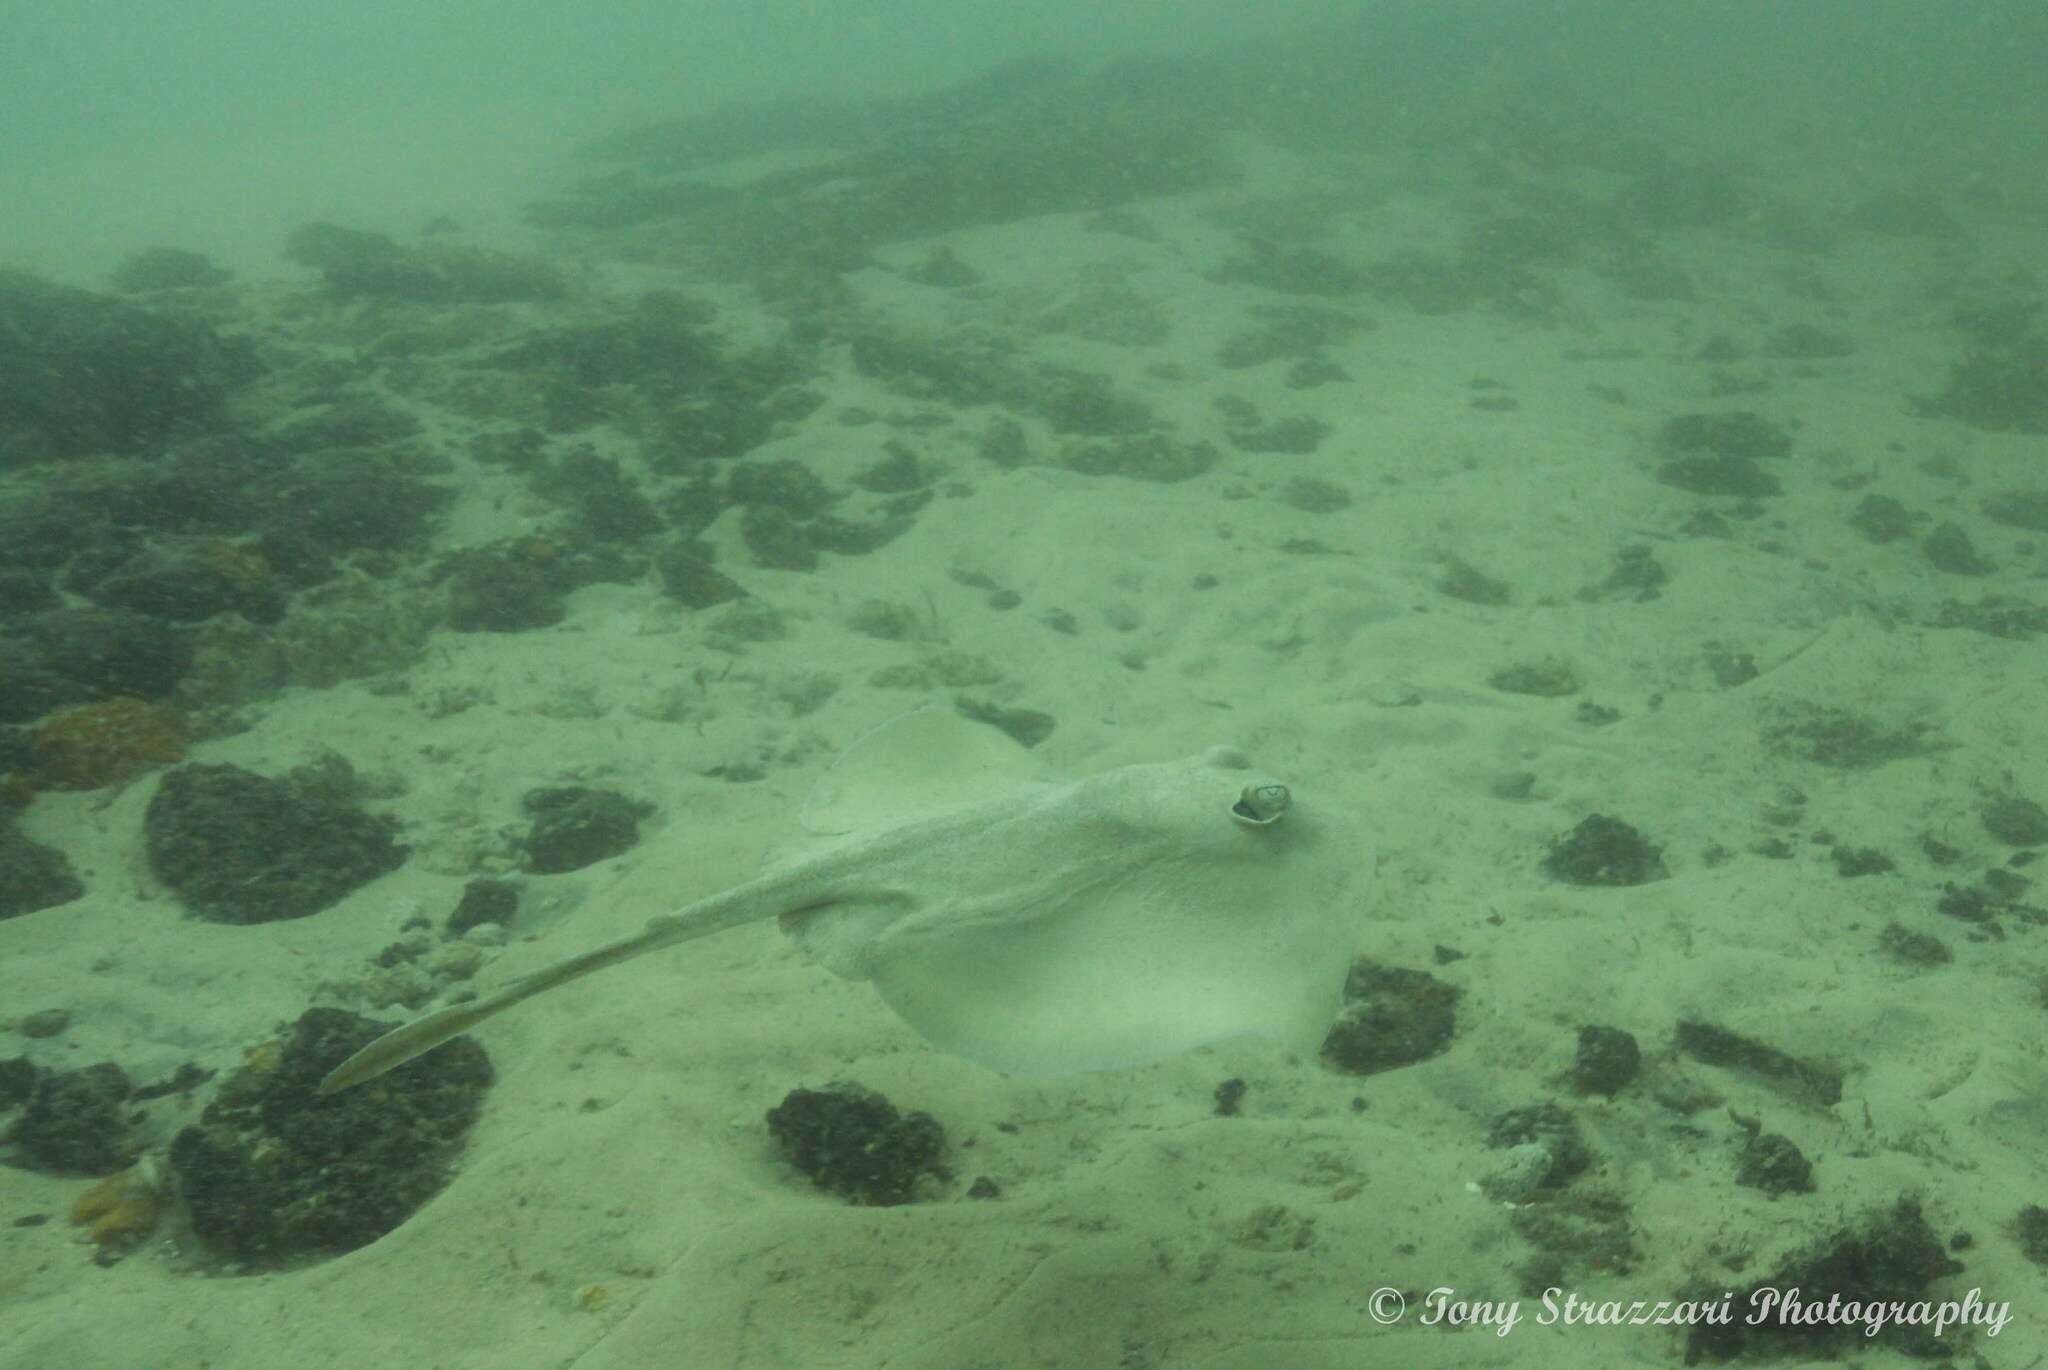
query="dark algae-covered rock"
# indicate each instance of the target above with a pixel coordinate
(273, 1173)
(857, 1144)
(1604, 851)
(238, 847)
(76, 1122)
(32, 876)
(574, 827)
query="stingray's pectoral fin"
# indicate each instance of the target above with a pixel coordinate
(401, 1044)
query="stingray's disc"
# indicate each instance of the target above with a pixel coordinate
(1105, 922)
(915, 765)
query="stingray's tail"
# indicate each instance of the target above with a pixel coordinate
(422, 1035)
(401, 1044)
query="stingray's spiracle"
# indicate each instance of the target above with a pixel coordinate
(1260, 806)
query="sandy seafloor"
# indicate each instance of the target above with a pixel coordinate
(623, 1145)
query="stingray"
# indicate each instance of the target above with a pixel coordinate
(1033, 926)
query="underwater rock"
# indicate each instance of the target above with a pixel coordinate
(1392, 1017)
(74, 656)
(942, 269)
(1545, 1150)
(351, 422)
(1025, 140)
(786, 520)
(87, 374)
(333, 502)
(1829, 736)
(32, 876)
(898, 471)
(1717, 1046)
(1668, 195)
(1882, 519)
(77, 1122)
(1149, 456)
(1027, 727)
(1549, 678)
(237, 847)
(1084, 404)
(1950, 548)
(1297, 436)
(2031, 1227)
(483, 901)
(2016, 820)
(510, 588)
(185, 582)
(272, 1173)
(1462, 580)
(857, 1144)
(166, 268)
(106, 743)
(1606, 1061)
(1720, 475)
(1291, 270)
(24, 592)
(1312, 495)
(786, 484)
(2026, 509)
(358, 262)
(1775, 1165)
(1886, 1260)
(1914, 949)
(1603, 851)
(778, 540)
(1735, 433)
(2000, 389)
(574, 827)
(1808, 342)
(858, 537)
(604, 504)
(685, 575)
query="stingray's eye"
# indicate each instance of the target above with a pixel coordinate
(1260, 806)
